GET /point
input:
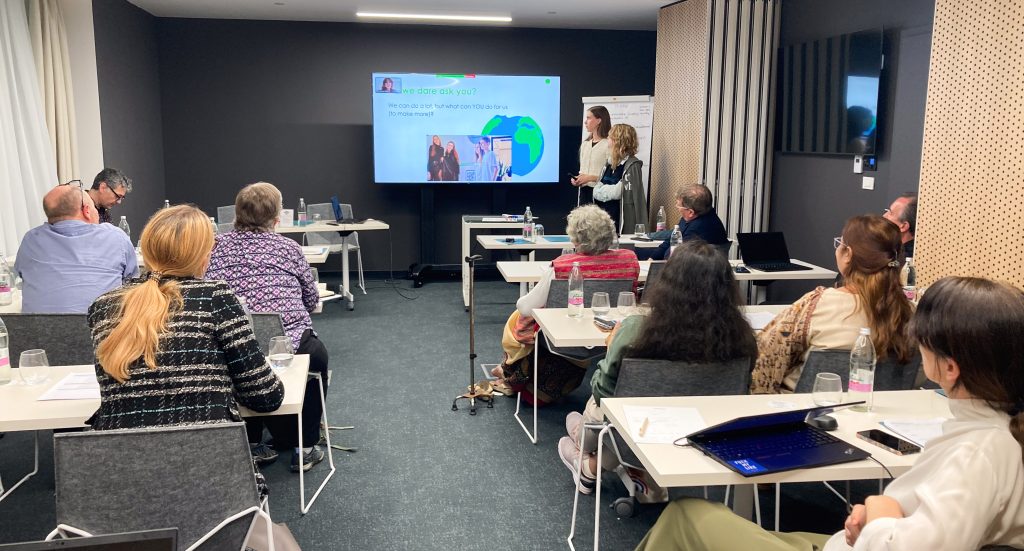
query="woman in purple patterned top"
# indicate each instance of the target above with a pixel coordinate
(270, 272)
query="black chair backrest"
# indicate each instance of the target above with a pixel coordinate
(266, 325)
(640, 377)
(190, 477)
(66, 338)
(889, 374)
(558, 294)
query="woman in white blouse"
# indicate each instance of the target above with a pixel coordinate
(593, 153)
(966, 490)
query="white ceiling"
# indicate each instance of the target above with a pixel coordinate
(568, 14)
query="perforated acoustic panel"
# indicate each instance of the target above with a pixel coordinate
(679, 102)
(971, 205)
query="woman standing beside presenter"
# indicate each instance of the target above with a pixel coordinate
(593, 153)
(621, 188)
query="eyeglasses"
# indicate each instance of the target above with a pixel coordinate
(837, 242)
(116, 194)
(77, 184)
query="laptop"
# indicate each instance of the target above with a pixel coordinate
(767, 252)
(775, 442)
(339, 219)
(146, 540)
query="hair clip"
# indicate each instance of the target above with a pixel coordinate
(893, 264)
(155, 276)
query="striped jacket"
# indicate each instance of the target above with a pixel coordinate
(208, 362)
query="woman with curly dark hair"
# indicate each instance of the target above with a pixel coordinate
(695, 317)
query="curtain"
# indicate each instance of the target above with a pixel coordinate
(27, 166)
(53, 65)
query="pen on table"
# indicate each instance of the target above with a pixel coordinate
(644, 425)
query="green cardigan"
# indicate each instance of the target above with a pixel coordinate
(607, 374)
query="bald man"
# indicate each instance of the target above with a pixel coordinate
(71, 259)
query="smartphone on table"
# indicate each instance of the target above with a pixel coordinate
(894, 444)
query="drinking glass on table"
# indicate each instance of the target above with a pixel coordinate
(600, 305)
(641, 229)
(828, 389)
(626, 303)
(33, 367)
(6, 287)
(568, 250)
(538, 231)
(316, 218)
(280, 353)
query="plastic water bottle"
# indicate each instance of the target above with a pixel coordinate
(908, 277)
(123, 224)
(302, 211)
(214, 224)
(5, 360)
(575, 292)
(862, 370)
(167, 204)
(528, 225)
(675, 240)
(661, 219)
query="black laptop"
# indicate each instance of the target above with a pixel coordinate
(338, 217)
(775, 442)
(146, 540)
(767, 252)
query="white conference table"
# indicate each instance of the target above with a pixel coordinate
(531, 271)
(23, 411)
(472, 222)
(369, 225)
(673, 466)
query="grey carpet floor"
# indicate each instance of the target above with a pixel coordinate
(424, 477)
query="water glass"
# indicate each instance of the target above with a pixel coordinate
(33, 367)
(6, 287)
(280, 353)
(640, 229)
(316, 274)
(600, 304)
(538, 231)
(316, 218)
(828, 389)
(626, 303)
(568, 250)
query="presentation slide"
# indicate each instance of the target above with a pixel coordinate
(464, 128)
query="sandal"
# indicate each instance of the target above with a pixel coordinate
(498, 372)
(501, 386)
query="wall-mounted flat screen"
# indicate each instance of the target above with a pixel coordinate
(829, 95)
(433, 128)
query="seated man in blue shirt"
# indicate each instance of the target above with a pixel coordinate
(698, 220)
(71, 259)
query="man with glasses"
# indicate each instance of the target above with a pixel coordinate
(903, 213)
(697, 220)
(71, 259)
(108, 189)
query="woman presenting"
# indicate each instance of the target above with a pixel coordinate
(593, 153)
(621, 189)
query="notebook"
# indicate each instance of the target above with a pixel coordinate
(775, 442)
(767, 252)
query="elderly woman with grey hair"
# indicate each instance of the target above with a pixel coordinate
(592, 233)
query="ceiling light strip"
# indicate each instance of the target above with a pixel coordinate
(436, 17)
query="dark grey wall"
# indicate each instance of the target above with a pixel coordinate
(127, 67)
(286, 102)
(812, 195)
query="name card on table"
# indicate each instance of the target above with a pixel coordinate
(287, 218)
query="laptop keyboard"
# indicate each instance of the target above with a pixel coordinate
(753, 446)
(778, 267)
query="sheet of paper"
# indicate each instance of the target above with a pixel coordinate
(74, 386)
(664, 424)
(758, 320)
(918, 431)
(313, 250)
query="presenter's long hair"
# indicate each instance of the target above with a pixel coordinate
(626, 143)
(450, 151)
(695, 311)
(605, 126)
(874, 276)
(175, 243)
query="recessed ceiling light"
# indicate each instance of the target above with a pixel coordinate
(278, 3)
(552, 12)
(436, 17)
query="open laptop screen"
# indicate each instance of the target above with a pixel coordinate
(337, 208)
(771, 419)
(763, 247)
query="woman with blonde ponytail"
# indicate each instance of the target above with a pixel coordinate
(868, 255)
(172, 349)
(966, 489)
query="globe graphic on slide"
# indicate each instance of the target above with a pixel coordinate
(527, 140)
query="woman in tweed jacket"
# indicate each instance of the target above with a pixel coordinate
(172, 349)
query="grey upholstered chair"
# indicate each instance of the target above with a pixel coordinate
(266, 325)
(198, 479)
(66, 338)
(889, 374)
(226, 214)
(334, 240)
(657, 266)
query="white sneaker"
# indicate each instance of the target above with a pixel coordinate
(570, 455)
(573, 422)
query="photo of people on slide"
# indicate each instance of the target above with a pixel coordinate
(465, 128)
(387, 85)
(486, 158)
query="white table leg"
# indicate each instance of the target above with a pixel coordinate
(532, 437)
(35, 469)
(345, 292)
(303, 506)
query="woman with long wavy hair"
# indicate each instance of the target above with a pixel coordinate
(695, 317)
(869, 255)
(171, 348)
